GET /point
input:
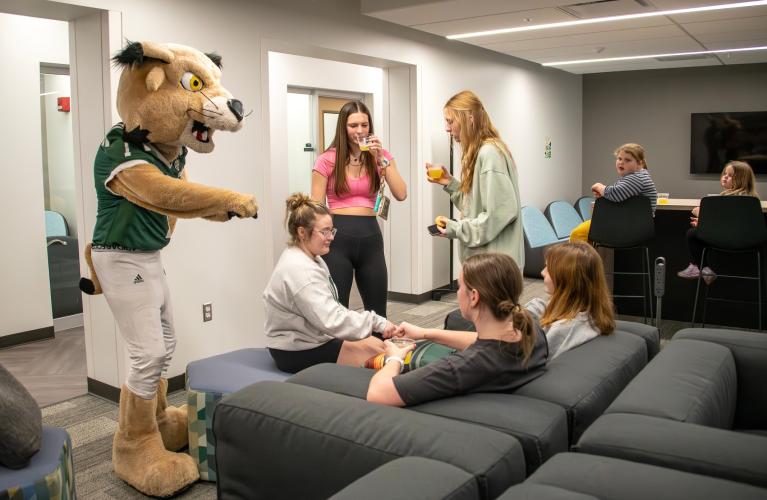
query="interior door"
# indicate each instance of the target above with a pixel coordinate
(327, 113)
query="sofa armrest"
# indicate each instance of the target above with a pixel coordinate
(412, 477)
(282, 440)
(687, 447)
(749, 349)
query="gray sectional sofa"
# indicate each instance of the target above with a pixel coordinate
(315, 434)
(700, 406)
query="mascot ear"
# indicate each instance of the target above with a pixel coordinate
(136, 53)
(215, 58)
(155, 78)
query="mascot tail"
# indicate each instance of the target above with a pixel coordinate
(90, 286)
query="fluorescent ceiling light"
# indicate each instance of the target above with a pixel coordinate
(607, 19)
(631, 58)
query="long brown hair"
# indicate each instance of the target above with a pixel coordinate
(743, 180)
(301, 211)
(341, 145)
(496, 277)
(462, 107)
(579, 286)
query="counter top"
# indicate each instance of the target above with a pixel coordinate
(688, 204)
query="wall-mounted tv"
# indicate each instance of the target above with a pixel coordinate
(717, 138)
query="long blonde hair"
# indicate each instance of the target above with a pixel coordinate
(579, 286)
(743, 180)
(476, 130)
(496, 277)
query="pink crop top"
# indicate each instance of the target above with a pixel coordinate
(359, 189)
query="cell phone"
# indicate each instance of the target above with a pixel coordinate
(433, 230)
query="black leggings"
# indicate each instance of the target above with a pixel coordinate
(357, 252)
(695, 245)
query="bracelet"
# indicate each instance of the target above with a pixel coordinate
(396, 358)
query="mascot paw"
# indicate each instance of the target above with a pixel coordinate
(89, 287)
(172, 423)
(245, 207)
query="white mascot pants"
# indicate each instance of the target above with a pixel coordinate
(136, 290)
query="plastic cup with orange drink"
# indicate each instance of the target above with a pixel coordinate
(434, 172)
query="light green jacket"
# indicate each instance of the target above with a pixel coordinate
(491, 211)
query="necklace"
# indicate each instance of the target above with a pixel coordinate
(355, 160)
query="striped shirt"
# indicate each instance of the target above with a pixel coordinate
(634, 184)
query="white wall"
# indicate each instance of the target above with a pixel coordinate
(25, 42)
(229, 264)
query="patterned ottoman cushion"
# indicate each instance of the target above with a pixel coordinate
(210, 379)
(49, 475)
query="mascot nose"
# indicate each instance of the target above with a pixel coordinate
(236, 107)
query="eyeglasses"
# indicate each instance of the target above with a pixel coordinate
(327, 233)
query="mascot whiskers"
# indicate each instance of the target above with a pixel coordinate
(170, 98)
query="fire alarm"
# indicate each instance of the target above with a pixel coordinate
(63, 103)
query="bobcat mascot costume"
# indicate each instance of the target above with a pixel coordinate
(170, 98)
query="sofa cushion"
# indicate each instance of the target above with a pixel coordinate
(605, 477)
(586, 379)
(531, 491)
(686, 447)
(749, 349)
(689, 381)
(412, 477)
(539, 426)
(21, 433)
(282, 440)
(649, 333)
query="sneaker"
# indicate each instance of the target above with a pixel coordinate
(691, 272)
(708, 275)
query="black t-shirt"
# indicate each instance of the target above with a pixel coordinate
(485, 366)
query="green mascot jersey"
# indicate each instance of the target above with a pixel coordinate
(119, 223)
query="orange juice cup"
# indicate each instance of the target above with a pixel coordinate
(434, 172)
(662, 198)
(364, 143)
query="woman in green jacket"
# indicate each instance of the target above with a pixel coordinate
(487, 194)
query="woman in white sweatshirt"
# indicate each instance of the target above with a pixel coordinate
(305, 323)
(579, 307)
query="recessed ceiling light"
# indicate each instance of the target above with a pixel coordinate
(580, 22)
(632, 58)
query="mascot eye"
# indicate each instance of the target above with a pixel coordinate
(192, 82)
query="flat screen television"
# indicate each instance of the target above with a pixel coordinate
(717, 138)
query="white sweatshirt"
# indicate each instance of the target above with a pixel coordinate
(564, 334)
(302, 311)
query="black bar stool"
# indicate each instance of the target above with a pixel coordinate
(731, 224)
(628, 225)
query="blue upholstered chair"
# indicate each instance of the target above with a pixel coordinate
(55, 224)
(563, 218)
(583, 207)
(538, 236)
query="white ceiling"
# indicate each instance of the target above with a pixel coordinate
(723, 29)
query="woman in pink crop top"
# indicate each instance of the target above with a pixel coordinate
(349, 179)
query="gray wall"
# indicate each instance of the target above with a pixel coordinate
(653, 109)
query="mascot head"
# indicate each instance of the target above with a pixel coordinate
(171, 94)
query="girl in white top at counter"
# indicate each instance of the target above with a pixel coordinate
(305, 323)
(633, 180)
(737, 180)
(579, 307)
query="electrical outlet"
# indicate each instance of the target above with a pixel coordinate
(207, 311)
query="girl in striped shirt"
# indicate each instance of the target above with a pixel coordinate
(634, 180)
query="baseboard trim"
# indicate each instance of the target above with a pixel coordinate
(28, 336)
(112, 393)
(67, 322)
(412, 298)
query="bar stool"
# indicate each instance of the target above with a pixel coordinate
(628, 225)
(731, 224)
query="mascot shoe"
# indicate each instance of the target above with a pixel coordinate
(171, 421)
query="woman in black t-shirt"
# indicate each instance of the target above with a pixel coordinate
(507, 350)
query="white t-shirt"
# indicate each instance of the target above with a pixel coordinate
(564, 334)
(302, 309)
